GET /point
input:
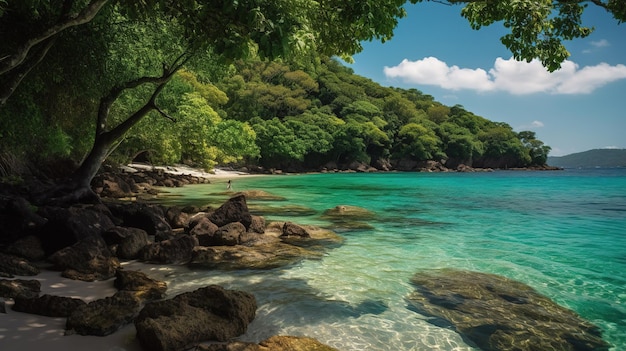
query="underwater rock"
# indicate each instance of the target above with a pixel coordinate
(275, 343)
(496, 313)
(345, 211)
(260, 195)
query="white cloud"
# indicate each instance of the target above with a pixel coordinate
(532, 126)
(514, 77)
(602, 43)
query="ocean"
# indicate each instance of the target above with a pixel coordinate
(563, 233)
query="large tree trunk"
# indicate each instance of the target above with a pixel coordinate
(77, 188)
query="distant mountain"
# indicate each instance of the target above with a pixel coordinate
(605, 158)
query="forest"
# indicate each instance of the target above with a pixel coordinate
(259, 83)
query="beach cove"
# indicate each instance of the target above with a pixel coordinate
(560, 233)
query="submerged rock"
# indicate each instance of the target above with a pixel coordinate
(275, 343)
(496, 313)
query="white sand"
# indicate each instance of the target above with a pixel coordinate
(216, 173)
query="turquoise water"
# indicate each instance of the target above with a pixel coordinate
(563, 233)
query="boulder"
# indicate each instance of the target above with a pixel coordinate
(176, 250)
(209, 313)
(104, 316)
(18, 219)
(48, 305)
(275, 343)
(291, 229)
(128, 242)
(150, 218)
(19, 288)
(229, 234)
(29, 247)
(145, 288)
(87, 260)
(12, 265)
(176, 217)
(497, 313)
(67, 226)
(233, 210)
(203, 229)
(257, 225)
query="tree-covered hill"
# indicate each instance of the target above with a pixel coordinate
(605, 158)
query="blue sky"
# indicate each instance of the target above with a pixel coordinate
(580, 107)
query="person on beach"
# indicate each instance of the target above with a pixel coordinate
(229, 185)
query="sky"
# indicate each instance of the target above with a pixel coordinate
(580, 107)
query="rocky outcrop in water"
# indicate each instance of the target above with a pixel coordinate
(496, 313)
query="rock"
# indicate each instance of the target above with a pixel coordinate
(260, 195)
(104, 316)
(229, 234)
(27, 289)
(48, 305)
(203, 229)
(67, 226)
(176, 217)
(291, 229)
(267, 251)
(145, 288)
(150, 218)
(12, 265)
(275, 343)
(128, 242)
(3, 306)
(233, 210)
(87, 260)
(497, 313)
(29, 247)
(18, 219)
(345, 211)
(209, 313)
(177, 250)
(257, 225)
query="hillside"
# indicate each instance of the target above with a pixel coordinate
(606, 158)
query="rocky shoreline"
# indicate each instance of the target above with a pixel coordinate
(89, 243)
(92, 243)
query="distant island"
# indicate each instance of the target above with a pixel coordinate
(604, 158)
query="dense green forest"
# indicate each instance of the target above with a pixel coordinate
(276, 114)
(243, 82)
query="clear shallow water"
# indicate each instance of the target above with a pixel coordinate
(563, 233)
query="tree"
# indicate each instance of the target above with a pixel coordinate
(537, 27)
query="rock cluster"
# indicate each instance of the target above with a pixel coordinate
(87, 242)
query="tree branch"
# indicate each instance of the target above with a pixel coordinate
(87, 14)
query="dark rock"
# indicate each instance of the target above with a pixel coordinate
(257, 225)
(88, 260)
(150, 218)
(291, 229)
(176, 217)
(18, 219)
(210, 313)
(27, 289)
(203, 229)
(177, 250)
(233, 210)
(29, 247)
(275, 343)
(67, 226)
(48, 305)
(128, 242)
(12, 265)
(496, 313)
(3, 306)
(229, 234)
(104, 316)
(145, 288)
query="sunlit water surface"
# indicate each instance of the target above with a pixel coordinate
(562, 232)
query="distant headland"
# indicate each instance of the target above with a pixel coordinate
(596, 158)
